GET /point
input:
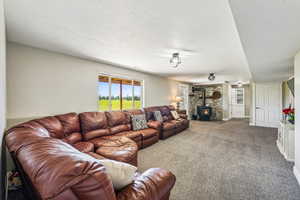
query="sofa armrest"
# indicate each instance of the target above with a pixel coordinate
(183, 116)
(181, 112)
(154, 124)
(154, 184)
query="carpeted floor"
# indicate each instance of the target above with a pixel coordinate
(224, 161)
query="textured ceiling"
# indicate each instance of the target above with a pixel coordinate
(136, 34)
(270, 34)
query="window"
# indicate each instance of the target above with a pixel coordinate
(119, 94)
(237, 96)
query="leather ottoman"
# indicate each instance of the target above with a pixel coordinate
(121, 149)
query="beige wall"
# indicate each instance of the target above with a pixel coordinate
(297, 118)
(45, 83)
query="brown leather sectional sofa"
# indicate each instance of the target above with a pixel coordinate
(51, 154)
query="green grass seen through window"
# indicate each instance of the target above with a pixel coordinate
(103, 104)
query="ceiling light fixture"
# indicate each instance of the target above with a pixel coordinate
(175, 60)
(211, 76)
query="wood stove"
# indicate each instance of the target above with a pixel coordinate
(204, 113)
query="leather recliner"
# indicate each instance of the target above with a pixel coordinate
(149, 135)
(169, 126)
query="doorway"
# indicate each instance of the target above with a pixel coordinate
(267, 107)
(183, 92)
(237, 102)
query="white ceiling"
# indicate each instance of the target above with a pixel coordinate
(136, 34)
(142, 34)
(270, 33)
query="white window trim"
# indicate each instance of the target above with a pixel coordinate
(122, 77)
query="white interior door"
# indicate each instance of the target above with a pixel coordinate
(237, 103)
(267, 104)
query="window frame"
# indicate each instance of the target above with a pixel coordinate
(110, 77)
(234, 96)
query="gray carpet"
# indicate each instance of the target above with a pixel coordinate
(224, 161)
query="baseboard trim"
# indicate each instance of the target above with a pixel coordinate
(297, 174)
(226, 119)
(252, 124)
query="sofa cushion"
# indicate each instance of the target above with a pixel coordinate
(147, 133)
(134, 112)
(93, 124)
(120, 149)
(84, 146)
(154, 124)
(130, 134)
(120, 128)
(100, 141)
(116, 118)
(169, 125)
(139, 122)
(96, 133)
(53, 125)
(70, 122)
(73, 138)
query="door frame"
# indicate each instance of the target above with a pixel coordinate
(253, 104)
(244, 105)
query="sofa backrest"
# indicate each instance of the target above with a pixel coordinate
(166, 113)
(118, 121)
(164, 110)
(65, 127)
(93, 125)
(71, 127)
(53, 126)
(134, 112)
(149, 112)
